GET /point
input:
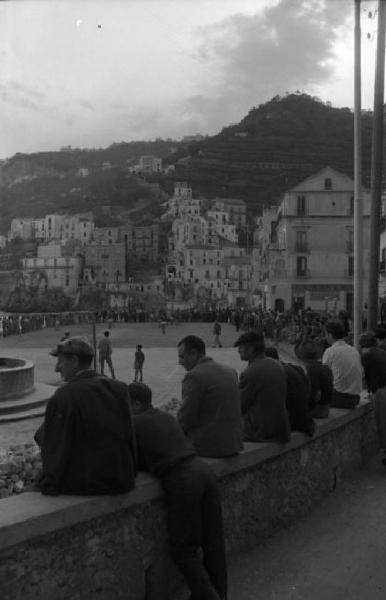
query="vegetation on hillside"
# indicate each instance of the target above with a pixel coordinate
(274, 147)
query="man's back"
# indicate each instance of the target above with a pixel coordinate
(345, 364)
(263, 391)
(374, 364)
(210, 413)
(88, 440)
(161, 442)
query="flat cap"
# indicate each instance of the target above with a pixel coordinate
(80, 346)
(250, 337)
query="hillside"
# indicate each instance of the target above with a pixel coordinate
(274, 146)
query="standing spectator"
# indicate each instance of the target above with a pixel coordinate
(374, 364)
(345, 363)
(87, 439)
(139, 359)
(210, 411)
(192, 496)
(65, 337)
(217, 333)
(263, 392)
(105, 352)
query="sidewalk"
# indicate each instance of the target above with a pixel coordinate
(336, 553)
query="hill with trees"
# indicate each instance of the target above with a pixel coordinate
(274, 147)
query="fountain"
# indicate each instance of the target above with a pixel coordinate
(20, 396)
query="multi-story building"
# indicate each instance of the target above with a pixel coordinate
(107, 235)
(147, 164)
(182, 203)
(51, 269)
(309, 258)
(189, 232)
(219, 225)
(104, 263)
(235, 207)
(201, 267)
(22, 228)
(64, 227)
(238, 273)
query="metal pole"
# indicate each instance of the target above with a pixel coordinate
(358, 200)
(94, 340)
(376, 170)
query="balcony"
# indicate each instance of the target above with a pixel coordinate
(302, 247)
(302, 274)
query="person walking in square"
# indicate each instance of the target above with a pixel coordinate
(217, 333)
(105, 352)
(139, 359)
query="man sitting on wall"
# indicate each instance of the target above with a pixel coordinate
(193, 502)
(210, 412)
(345, 363)
(263, 392)
(87, 438)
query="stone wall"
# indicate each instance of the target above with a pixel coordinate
(115, 548)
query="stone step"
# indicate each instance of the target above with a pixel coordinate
(36, 399)
(19, 416)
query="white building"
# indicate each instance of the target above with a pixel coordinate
(308, 260)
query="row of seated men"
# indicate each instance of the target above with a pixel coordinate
(99, 432)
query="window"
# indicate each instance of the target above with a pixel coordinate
(301, 241)
(351, 208)
(301, 206)
(301, 266)
(328, 183)
(350, 266)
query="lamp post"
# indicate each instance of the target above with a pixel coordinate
(358, 200)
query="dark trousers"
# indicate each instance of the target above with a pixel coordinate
(340, 400)
(194, 522)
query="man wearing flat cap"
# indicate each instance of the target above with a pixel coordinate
(263, 392)
(87, 438)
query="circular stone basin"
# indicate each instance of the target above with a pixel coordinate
(16, 378)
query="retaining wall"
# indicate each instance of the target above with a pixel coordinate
(115, 548)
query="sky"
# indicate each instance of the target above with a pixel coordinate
(88, 73)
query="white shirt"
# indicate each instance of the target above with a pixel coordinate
(346, 366)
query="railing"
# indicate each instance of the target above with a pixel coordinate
(302, 247)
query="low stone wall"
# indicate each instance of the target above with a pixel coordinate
(115, 548)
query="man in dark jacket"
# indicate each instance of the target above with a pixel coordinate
(374, 366)
(297, 398)
(87, 438)
(263, 391)
(193, 502)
